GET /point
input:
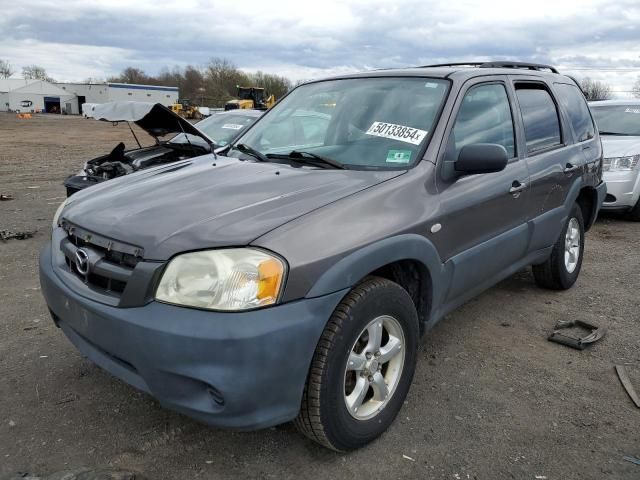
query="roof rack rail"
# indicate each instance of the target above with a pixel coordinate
(458, 64)
(524, 65)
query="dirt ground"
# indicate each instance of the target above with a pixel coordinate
(491, 398)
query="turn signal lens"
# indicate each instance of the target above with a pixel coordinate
(270, 273)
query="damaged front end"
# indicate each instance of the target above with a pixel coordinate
(155, 119)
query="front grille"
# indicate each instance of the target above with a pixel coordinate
(104, 265)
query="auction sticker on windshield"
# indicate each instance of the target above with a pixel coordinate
(397, 132)
(232, 126)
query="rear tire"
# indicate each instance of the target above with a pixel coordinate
(560, 271)
(359, 376)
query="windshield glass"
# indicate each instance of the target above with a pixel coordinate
(219, 127)
(617, 119)
(359, 123)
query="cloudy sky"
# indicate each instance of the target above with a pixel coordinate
(75, 39)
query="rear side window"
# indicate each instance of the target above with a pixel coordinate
(540, 117)
(576, 106)
(484, 117)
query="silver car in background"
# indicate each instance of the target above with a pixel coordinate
(619, 124)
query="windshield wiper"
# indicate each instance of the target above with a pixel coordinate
(246, 149)
(615, 133)
(309, 158)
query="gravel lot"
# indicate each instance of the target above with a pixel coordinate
(491, 399)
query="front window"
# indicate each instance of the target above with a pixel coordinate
(484, 117)
(617, 119)
(374, 123)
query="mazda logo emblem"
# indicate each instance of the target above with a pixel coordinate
(82, 262)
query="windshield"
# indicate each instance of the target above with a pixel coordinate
(219, 127)
(359, 123)
(617, 119)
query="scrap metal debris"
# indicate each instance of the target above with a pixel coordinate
(5, 198)
(626, 383)
(635, 460)
(9, 235)
(579, 343)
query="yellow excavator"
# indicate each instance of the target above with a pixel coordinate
(251, 98)
(186, 109)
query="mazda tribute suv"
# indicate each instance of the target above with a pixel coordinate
(291, 276)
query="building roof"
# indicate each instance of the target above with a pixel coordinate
(137, 86)
(23, 85)
(9, 84)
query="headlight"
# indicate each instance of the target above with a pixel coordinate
(56, 216)
(620, 164)
(227, 279)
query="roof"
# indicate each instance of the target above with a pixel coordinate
(136, 86)
(40, 87)
(9, 84)
(454, 71)
(604, 103)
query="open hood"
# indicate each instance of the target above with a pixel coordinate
(154, 118)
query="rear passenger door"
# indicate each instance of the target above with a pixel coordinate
(579, 118)
(484, 229)
(553, 160)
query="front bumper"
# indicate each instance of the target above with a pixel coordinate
(623, 190)
(239, 370)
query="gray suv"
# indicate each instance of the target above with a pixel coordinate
(290, 278)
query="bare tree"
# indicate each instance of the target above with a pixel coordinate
(595, 90)
(221, 81)
(273, 84)
(636, 88)
(212, 85)
(36, 72)
(5, 69)
(131, 75)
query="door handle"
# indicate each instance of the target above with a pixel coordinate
(517, 187)
(569, 168)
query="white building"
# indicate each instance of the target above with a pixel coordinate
(115, 92)
(19, 94)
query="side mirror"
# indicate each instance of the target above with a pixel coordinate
(481, 158)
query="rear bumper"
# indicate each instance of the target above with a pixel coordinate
(623, 190)
(238, 370)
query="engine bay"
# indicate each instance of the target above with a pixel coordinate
(121, 162)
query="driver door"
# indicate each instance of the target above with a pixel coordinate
(484, 231)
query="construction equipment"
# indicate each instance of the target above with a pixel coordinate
(186, 109)
(251, 98)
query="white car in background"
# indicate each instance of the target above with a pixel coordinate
(619, 124)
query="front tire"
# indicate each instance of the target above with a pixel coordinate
(560, 271)
(362, 367)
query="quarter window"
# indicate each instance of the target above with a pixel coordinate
(576, 106)
(540, 117)
(484, 117)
